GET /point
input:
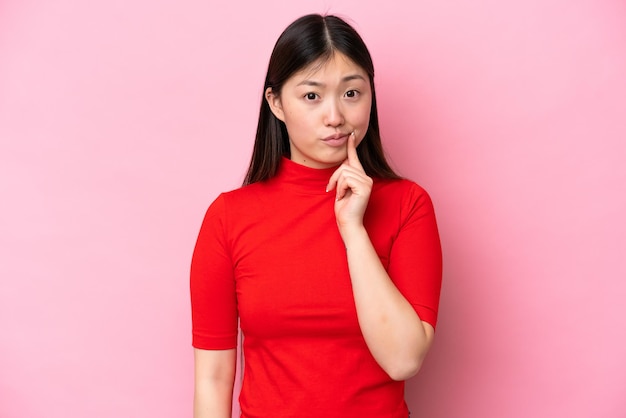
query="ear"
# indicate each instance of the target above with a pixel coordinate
(273, 100)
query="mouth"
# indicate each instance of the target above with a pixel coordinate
(336, 140)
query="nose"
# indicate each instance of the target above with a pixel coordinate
(333, 116)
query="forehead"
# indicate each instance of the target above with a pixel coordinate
(337, 65)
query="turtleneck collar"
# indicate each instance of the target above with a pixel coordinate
(303, 179)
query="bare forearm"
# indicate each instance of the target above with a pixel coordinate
(212, 400)
(393, 331)
(213, 383)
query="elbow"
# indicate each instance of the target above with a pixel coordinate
(408, 362)
(404, 370)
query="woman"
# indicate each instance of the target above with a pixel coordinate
(329, 260)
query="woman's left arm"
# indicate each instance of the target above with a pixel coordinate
(394, 333)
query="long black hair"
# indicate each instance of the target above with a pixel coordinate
(306, 40)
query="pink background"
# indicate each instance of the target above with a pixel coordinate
(120, 121)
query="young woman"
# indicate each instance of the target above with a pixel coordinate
(330, 262)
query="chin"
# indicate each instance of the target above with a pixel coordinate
(334, 160)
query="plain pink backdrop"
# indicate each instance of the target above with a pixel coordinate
(120, 121)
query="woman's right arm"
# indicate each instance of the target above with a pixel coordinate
(214, 372)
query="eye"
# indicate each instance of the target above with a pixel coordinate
(352, 94)
(310, 96)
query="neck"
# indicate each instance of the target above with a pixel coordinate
(302, 178)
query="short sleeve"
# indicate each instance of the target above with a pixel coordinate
(212, 284)
(415, 263)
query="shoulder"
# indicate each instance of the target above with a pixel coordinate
(240, 200)
(403, 197)
(241, 194)
(405, 190)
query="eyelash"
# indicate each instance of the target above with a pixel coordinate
(315, 95)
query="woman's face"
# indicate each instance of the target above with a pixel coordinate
(321, 106)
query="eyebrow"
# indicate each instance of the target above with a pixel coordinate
(343, 80)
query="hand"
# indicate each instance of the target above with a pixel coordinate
(353, 189)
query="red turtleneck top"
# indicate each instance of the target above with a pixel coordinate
(270, 255)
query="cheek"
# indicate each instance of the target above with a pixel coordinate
(363, 116)
(294, 114)
(297, 123)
